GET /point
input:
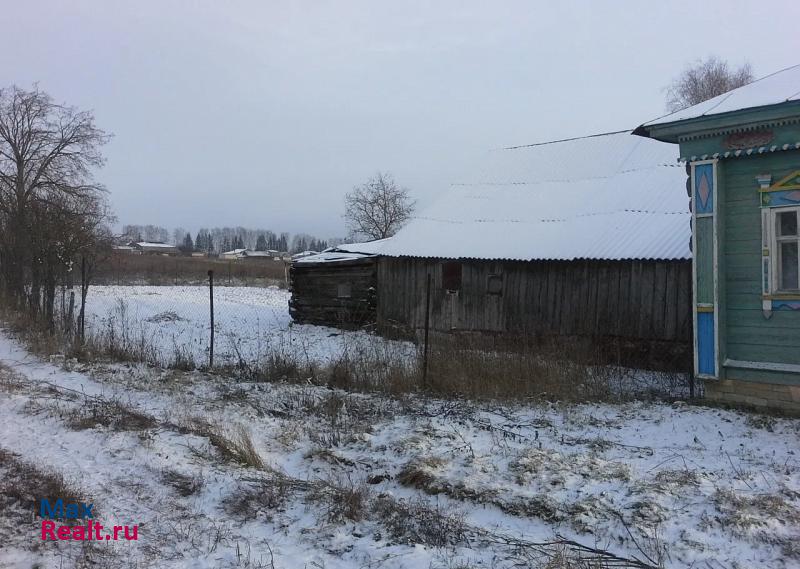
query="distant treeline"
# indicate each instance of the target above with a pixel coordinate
(220, 239)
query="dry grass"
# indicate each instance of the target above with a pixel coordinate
(157, 270)
(23, 484)
(458, 365)
(463, 366)
(108, 413)
(743, 513)
(11, 381)
(343, 500)
(237, 448)
(417, 522)
(185, 485)
(420, 473)
(259, 498)
(552, 466)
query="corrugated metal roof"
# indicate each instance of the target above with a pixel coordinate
(612, 196)
(780, 87)
(345, 252)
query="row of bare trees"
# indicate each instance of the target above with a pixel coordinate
(53, 214)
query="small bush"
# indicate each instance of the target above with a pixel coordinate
(343, 500)
(416, 522)
(261, 497)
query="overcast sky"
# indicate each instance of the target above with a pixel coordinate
(263, 114)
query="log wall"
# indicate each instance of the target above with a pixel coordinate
(341, 293)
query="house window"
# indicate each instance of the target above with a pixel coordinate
(451, 276)
(494, 285)
(786, 247)
(344, 290)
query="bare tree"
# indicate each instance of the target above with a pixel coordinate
(50, 206)
(705, 80)
(379, 208)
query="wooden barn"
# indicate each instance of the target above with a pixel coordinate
(585, 238)
(337, 287)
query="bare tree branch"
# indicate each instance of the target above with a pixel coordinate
(378, 208)
(51, 209)
(705, 80)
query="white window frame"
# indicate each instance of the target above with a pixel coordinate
(775, 241)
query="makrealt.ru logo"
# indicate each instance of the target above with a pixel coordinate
(70, 512)
(77, 511)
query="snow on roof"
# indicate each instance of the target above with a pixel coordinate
(302, 254)
(346, 252)
(368, 247)
(610, 196)
(331, 257)
(780, 87)
(233, 252)
(155, 244)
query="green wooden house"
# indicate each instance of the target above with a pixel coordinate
(742, 151)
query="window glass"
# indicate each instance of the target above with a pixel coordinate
(787, 223)
(788, 266)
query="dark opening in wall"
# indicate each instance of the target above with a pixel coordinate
(344, 290)
(451, 276)
(494, 284)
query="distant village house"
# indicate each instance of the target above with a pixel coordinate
(153, 248)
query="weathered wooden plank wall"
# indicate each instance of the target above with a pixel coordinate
(637, 300)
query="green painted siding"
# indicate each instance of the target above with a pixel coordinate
(747, 335)
(705, 259)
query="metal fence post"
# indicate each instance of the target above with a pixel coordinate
(427, 330)
(211, 308)
(82, 315)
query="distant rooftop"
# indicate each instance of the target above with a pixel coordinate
(155, 244)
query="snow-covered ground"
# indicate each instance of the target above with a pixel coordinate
(249, 322)
(363, 481)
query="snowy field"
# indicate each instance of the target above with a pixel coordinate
(336, 480)
(249, 322)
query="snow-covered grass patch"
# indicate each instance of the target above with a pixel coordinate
(253, 474)
(162, 324)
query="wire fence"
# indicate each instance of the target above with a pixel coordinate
(211, 314)
(185, 314)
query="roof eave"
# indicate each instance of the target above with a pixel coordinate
(709, 125)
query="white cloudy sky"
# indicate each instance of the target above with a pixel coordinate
(264, 114)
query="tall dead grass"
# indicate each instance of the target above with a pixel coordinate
(236, 446)
(469, 366)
